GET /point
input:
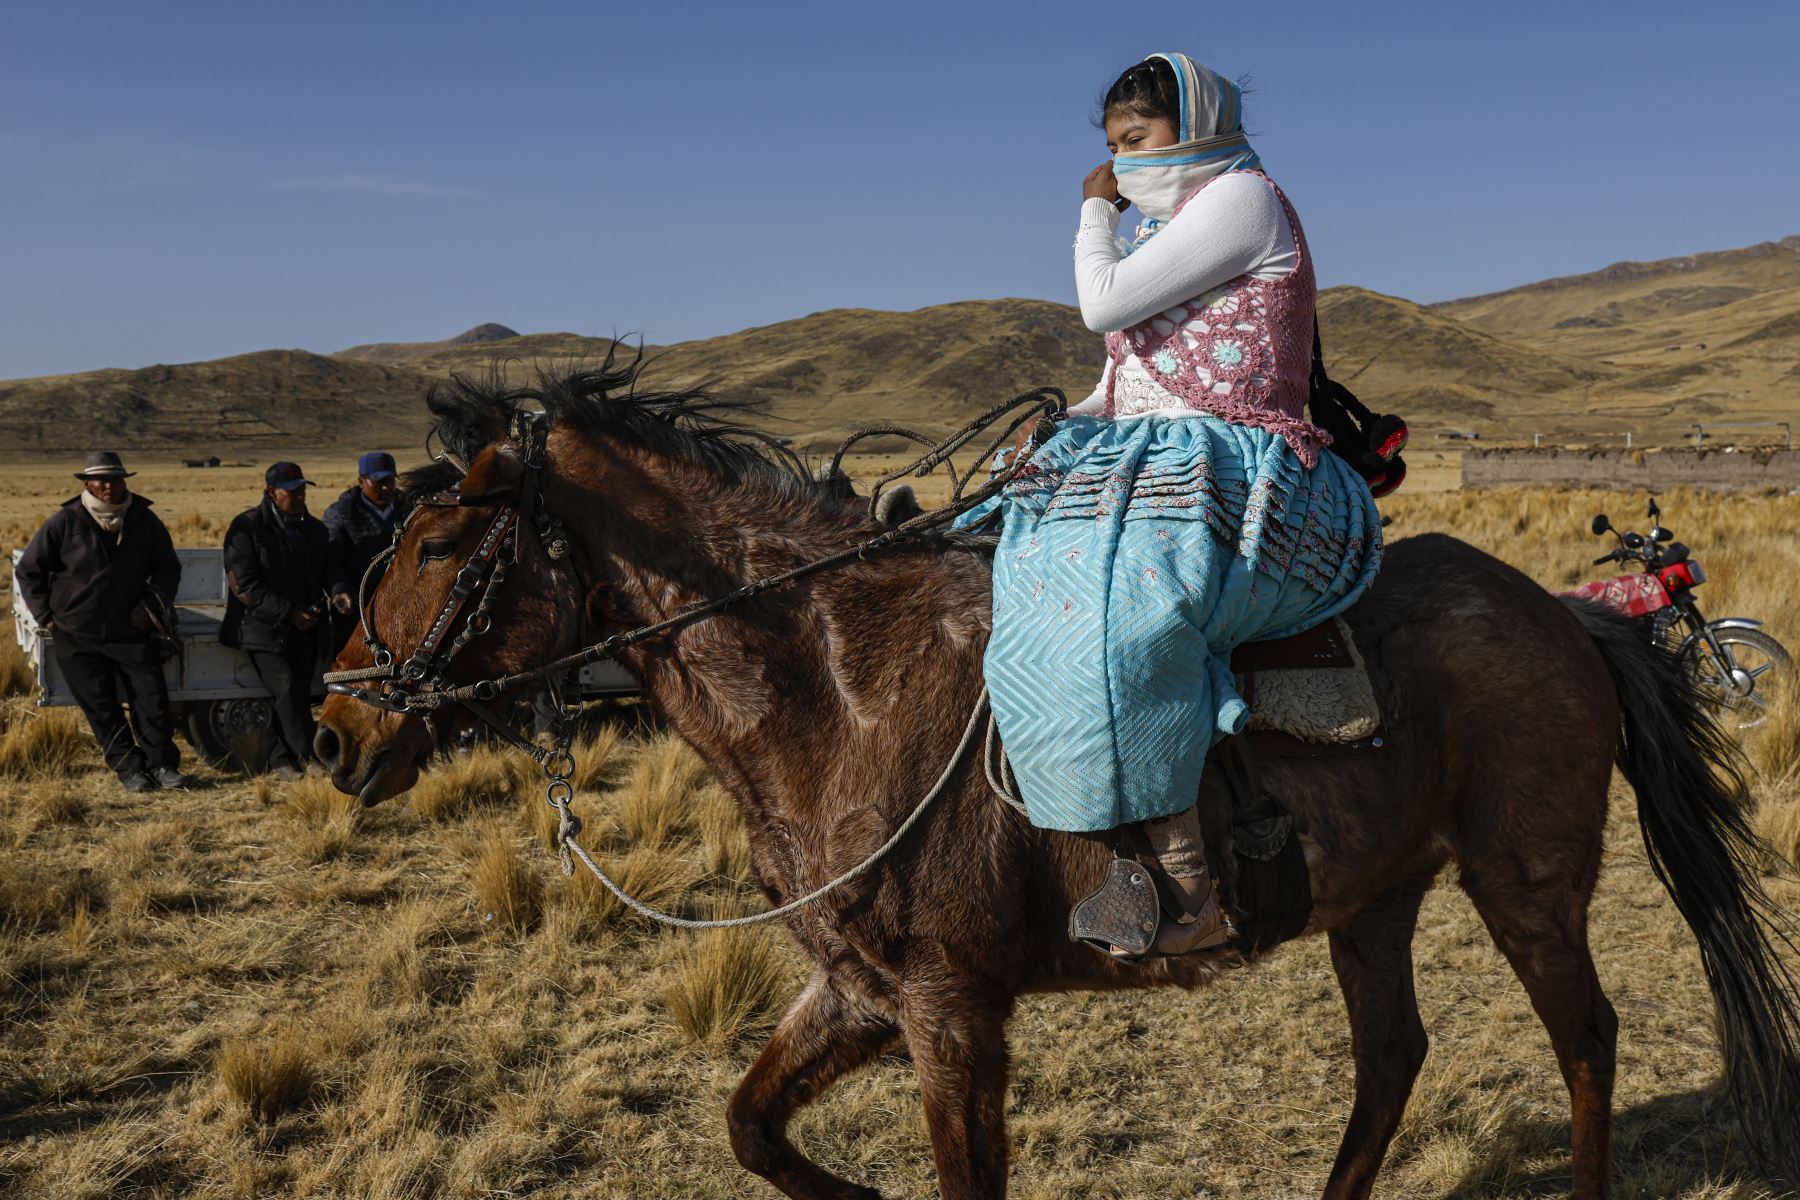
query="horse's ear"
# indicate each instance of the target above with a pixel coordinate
(492, 477)
(467, 421)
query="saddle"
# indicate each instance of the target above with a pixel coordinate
(1309, 695)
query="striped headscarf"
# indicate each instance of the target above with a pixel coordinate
(1212, 143)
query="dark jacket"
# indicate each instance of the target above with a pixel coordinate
(358, 533)
(88, 582)
(270, 576)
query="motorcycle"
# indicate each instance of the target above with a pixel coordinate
(1730, 658)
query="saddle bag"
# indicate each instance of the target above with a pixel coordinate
(1369, 442)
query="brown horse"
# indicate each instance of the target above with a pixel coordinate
(830, 706)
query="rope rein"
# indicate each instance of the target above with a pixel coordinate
(558, 794)
(420, 686)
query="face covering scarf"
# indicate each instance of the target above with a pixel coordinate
(1212, 143)
(110, 517)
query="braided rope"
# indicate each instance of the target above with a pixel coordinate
(999, 767)
(856, 872)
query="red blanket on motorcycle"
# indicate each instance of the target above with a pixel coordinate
(1636, 595)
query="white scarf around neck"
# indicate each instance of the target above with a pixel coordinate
(110, 517)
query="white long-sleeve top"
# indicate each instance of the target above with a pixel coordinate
(1234, 226)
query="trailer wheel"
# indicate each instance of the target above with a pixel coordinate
(232, 735)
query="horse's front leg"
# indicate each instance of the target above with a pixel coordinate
(958, 1042)
(825, 1034)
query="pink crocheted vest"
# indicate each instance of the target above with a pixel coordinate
(1242, 351)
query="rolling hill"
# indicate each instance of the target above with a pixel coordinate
(822, 375)
(1646, 347)
(271, 397)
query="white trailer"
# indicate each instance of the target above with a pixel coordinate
(222, 705)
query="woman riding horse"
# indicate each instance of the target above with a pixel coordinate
(1185, 506)
(828, 708)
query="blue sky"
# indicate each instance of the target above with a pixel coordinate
(186, 180)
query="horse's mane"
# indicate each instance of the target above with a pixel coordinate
(695, 424)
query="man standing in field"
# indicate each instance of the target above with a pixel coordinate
(94, 576)
(360, 522)
(282, 574)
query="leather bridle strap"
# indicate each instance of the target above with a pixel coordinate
(468, 579)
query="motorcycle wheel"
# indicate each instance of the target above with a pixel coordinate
(1744, 687)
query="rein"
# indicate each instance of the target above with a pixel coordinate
(422, 685)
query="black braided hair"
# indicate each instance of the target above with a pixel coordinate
(1147, 89)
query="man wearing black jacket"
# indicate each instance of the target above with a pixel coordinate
(360, 524)
(283, 575)
(361, 521)
(93, 575)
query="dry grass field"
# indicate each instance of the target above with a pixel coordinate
(258, 990)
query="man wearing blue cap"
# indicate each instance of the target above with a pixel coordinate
(360, 522)
(283, 576)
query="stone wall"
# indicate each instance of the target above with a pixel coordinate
(1722, 469)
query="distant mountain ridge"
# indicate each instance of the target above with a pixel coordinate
(1648, 347)
(1783, 253)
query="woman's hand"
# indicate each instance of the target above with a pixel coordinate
(1100, 184)
(1022, 447)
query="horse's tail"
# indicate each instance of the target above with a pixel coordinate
(1693, 809)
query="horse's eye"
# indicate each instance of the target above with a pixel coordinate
(432, 549)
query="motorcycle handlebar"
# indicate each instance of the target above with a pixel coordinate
(1605, 558)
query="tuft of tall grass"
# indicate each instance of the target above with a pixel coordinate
(654, 800)
(78, 936)
(725, 846)
(57, 803)
(597, 758)
(1778, 821)
(460, 785)
(269, 1077)
(508, 894)
(407, 960)
(324, 820)
(656, 877)
(1774, 746)
(35, 897)
(16, 676)
(727, 984)
(38, 745)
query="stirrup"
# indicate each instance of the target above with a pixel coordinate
(1123, 918)
(1123, 915)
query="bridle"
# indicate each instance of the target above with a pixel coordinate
(421, 683)
(425, 668)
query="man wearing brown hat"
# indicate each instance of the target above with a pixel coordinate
(284, 576)
(94, 575)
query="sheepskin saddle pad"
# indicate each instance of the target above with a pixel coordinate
(1313, 687)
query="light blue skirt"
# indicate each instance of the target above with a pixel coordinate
(1135, 555)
